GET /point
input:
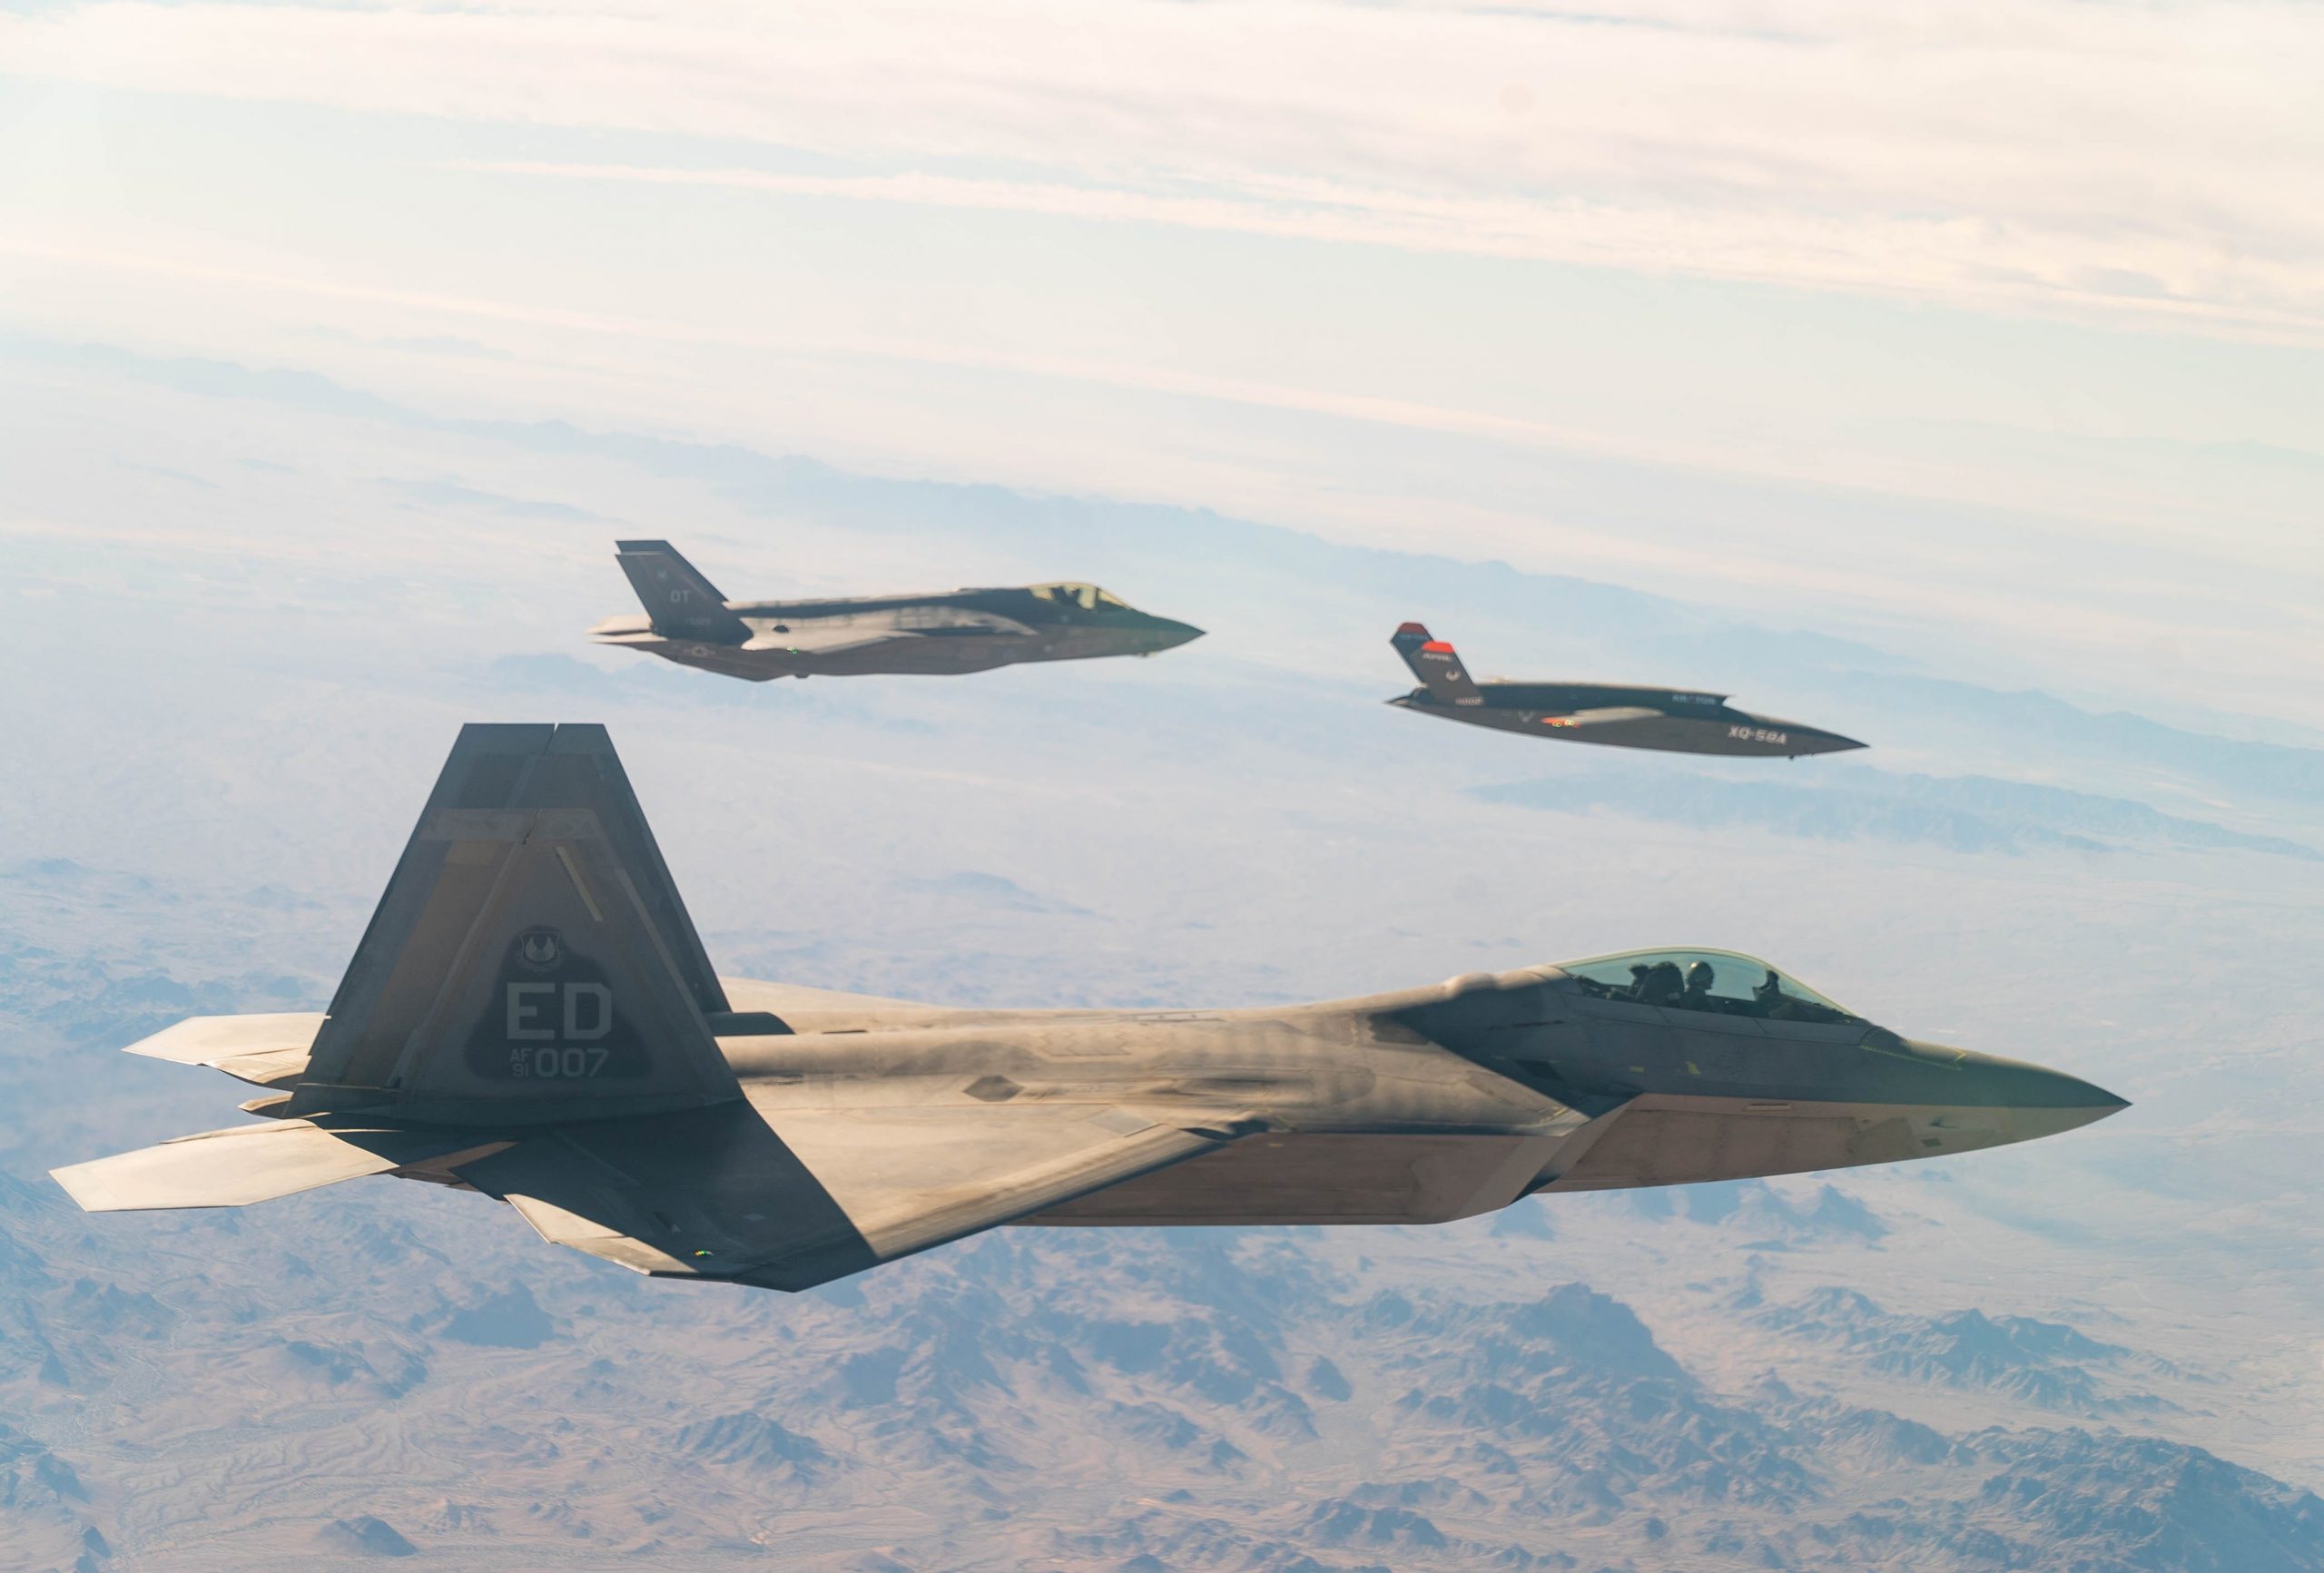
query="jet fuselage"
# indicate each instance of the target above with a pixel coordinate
(531, 1015)
(942, 632)
(1429, 1104)
(1621, 716)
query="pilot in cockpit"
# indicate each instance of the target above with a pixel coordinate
(1658, 984)
(1691, 980)
(1698, 994)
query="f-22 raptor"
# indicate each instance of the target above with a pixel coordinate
(530, 1015)
(688, 620)
(1674, 720)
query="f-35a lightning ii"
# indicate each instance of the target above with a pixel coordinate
(1669, 719)
(688, 620)
(530, 1015)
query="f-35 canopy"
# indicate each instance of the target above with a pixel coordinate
(1723, 981)
(1070, 592)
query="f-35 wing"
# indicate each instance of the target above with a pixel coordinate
(798, 641)
(811, 638)
(811, 641)
(788, 1198)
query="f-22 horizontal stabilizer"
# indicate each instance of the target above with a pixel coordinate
(246, 1163)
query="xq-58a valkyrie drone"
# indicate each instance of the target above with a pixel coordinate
(530, 1015)
(1619, 715)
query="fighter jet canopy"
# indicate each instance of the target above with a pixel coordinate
(1089, 597)
(1724, 981)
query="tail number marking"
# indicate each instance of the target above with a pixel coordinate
(560, 1021)
(549, 1063)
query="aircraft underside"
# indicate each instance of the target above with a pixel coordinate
(1363, 1177)
(916, 656)
(1737, 735)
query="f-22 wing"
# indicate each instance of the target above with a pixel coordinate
(790, 1198)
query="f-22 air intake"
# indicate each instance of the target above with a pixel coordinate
(1675, 719)
(531, 1015)
(687, 620)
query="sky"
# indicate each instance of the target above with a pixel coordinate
(1996, 328)
(1986, 340)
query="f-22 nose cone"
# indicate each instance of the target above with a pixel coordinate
(2041, 1102)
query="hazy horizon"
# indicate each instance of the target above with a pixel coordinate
(1947, 380)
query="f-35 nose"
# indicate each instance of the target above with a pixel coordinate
(1164, 633)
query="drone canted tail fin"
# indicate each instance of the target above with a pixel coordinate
(1434, 662)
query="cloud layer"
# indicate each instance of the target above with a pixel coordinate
(2132, 162)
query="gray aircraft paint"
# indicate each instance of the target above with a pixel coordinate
(531, 1015)
(1618, 715)
(687, 620)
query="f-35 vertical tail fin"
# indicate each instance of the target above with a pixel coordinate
(681, 601)
(1432, 661)
(530, 962)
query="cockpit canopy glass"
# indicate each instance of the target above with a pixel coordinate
(1069, 592)
(1722, 981)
